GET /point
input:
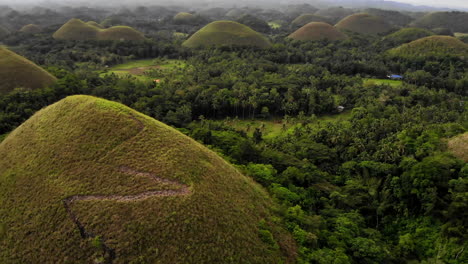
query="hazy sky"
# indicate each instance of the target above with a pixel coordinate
(439, 3)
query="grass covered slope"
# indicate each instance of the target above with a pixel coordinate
(95, 24)
(228, 33)
(432, 46)
(31, 29)
(458, 146)
(88, 179)
(184, 17)
(16, 71)
(406, 35)
(364, 24)
(317, 31)
(76, 29)
(307, 18)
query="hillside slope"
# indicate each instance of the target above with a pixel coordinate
(31, 29)
(87, 180)
(406, 35)
(317, 31)
(364, 24)
(228, 33)
(439, 46)
(17, 71)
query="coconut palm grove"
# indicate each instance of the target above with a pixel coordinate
(237, 132)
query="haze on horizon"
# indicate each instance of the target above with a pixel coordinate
(458, 4)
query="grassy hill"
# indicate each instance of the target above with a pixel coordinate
(95, 24)
(406, 35)
(17, 71)
(87, 180)
(458, 146)
(76, 29)
(120, 33)
(390, 16)
(317, 31)
(335, 13)
(307, 18)
(455, 21)
(184, 17)
(228, 33)
(439, 46)
(364, 24)
(31, 29)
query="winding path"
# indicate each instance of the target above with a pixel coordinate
(179, 190)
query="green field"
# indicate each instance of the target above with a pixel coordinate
(145, 70)
(274, 127)
(393, 83)
(274, 25)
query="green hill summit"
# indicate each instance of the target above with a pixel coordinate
(227, 33)
(87, 180)
(364, 24)
(76, 29)
(317, 31)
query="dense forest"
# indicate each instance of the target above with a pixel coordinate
(362, 170)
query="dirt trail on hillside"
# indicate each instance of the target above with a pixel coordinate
(179, 189)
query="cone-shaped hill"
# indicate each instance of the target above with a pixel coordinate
(76, 29)
(87, 179)
(18, 72)
(307, 18)
(364, 24)
(318, 31)
(31, 29)
(184, 18)
(406, 35)
(439, 46)
(227, 33)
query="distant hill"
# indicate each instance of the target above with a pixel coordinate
(184, 18)
(254, 23)
(390, 16)
(76, 29)
(364, 24)
(438, 46)
(455, 21)
(458, 146)
(97, 182)
(228, 33)
(406, 35)
(298, 9)
(307, 18)
(18, 72)
(31, 29)
(335, 13)
(317, 31)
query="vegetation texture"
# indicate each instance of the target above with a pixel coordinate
(100, 181)
(364, 24)
(226, 33)
(318, 31)
(459, 146)
(18, 72)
